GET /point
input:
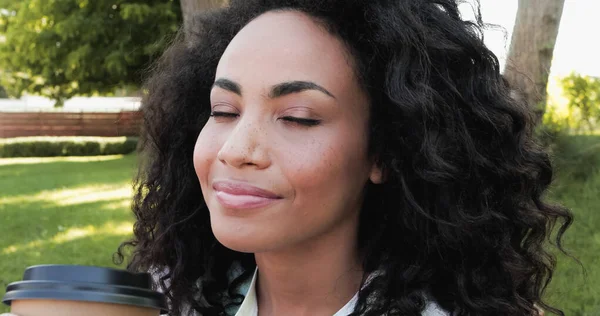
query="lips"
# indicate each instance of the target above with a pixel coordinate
(243, 196)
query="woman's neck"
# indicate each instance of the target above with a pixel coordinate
(315, 278)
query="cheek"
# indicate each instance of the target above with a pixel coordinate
(334, 162)
(205, 153)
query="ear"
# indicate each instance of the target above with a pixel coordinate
(376, 175)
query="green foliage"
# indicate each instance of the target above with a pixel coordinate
(120, 148)
(3, 93)
(552, 128)
(62, 48)
(66, 146)
(575, 156)
(583, 93)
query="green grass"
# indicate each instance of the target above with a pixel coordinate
(76, 211)
(578, 188)
(62, 211)
(572, 290)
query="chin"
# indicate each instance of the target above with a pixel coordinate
(245, 245)
(241, 238)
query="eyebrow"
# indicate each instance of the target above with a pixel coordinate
(228, 85)
(278, 90)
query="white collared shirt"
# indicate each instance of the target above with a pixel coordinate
(249, 306)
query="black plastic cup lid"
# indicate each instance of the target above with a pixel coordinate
(84, 283)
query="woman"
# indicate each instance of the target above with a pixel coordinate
(306, 157)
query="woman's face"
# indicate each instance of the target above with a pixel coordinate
(283, 160)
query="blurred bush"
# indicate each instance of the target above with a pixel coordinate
(583, 94)
(66, 146)
(574, 155)
(552, 128)
(3, 93)
(577, 156)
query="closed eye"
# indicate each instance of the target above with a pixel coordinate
(224, 114)
(291, 119)
(301, 121)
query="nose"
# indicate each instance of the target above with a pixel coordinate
(246, 145)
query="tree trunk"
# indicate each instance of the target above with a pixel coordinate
(531, 49)
(191, 7)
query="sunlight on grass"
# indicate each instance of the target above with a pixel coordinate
(95, 196)
(41, 160)
(108, 229)
(64, 197)
(120, 205)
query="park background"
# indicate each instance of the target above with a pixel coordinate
(74, 208)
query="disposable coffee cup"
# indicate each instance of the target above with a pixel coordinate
(68, 290)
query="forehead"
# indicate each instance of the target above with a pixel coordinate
(284, 46)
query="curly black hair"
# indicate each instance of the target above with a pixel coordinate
(460, 215)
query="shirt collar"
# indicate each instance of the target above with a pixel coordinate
(249, 306)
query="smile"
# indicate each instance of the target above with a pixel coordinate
(243, 196)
